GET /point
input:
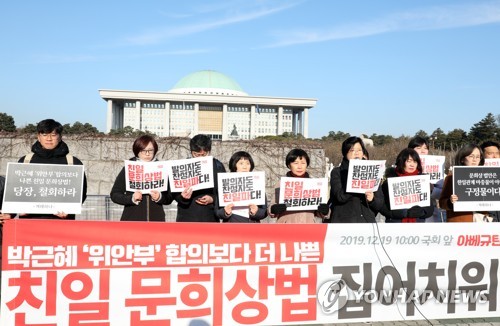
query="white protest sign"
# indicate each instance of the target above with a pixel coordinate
(433, 165)
(406, 192)
(146, 176)
(364, 175)
(241, 188)
(300, 194)
(197, 173)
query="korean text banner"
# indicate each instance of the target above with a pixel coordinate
(364, 175)
(477, 188)
(146, 176)
(303, 193)
(117, 273)
(433, 165)
(43, 188)
(241, 189)
(406, 192)
(197, 173)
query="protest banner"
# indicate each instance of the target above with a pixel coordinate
(197, 173)
(364, 175)
(433, 165)
(300, 194)
(477, 188)
(109, 273)
(406, 192)
(241, 188)
(146, 176)
(43, 188)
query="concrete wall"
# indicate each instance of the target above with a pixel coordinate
(103, 156)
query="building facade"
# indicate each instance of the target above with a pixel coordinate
(207, 102)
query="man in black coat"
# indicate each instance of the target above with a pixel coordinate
(199, 205)
(50, 149)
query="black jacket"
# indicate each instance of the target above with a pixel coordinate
(145, 210)
(350, 207)
(53, 156)
(189, 211)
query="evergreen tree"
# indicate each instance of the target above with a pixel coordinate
(486, 129)
(7, 123)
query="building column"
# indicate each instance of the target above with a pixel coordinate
(225, 132)
(280, 121)
(110, 117)
(166, 128)
(294, 122)
(300, 123)
(137, 116)
(253, 132)
(195, 130)
(305, 127)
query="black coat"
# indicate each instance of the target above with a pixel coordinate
(145, 210)
(350, 207)
(53, 156)
(189, 211)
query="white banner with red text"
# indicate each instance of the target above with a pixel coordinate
(138, 273)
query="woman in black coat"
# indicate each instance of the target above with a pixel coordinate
(407, 164)
(351, 207)
(139, 206)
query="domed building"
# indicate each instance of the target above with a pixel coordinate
(207, 102)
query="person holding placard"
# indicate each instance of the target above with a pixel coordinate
(491, 150)
(351, 207)
(50, 149)
(407, 164)
(468, 155)
(139, 206)
(242, 162)
(199, 205)
(421, 146)
(297, 160)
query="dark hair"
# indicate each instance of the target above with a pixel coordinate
(418, 141)
(49, 125)
(142, 142)
(295, 154)
(236, 157)
(200, 143)
(465, 151)
(404, 155)
(489, 143)
(350, 142)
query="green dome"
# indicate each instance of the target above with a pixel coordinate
(207, 82)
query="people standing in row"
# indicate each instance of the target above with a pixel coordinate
(242, 162)
(199, 205)
(139, 206)
(407, 164)
(51, 149)
(297, 161)
(468, 155)
(351, 207)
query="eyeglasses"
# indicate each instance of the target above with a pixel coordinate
(474, 157)
(148, 151)
(352, 150)
(51, 135)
